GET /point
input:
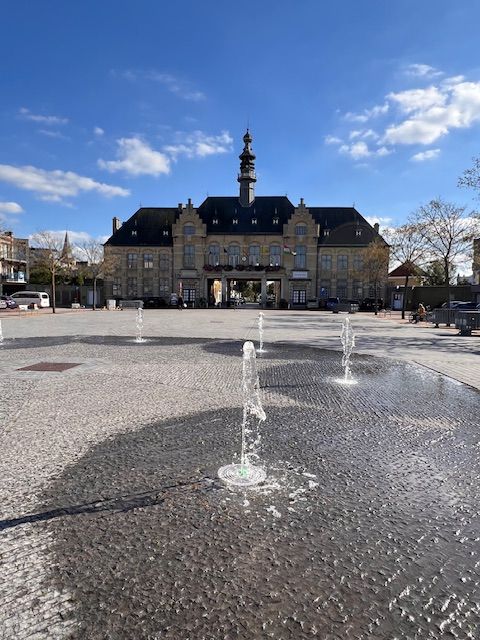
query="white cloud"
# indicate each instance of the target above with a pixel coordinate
(359, 150)
(363, 134)
(333, 140)
(98, 131)
(54, 186)
(137, 158)
(51, 133)
(177, 86)
(435, 112)
(422, 71)
(199, 144)
(10, 207)
(26, 114)
(425, 155)
(367, 114)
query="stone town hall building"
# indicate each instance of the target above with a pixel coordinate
(295, 252)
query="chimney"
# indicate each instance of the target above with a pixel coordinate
(376, 227)
(116, 224)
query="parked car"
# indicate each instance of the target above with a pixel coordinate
(453, 304)
(331, 303)
(312, 303)
(153, 303)
(468, 306)
(6, 302)
(368, 304)
(31, 298)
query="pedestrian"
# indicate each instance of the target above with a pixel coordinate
(180, 302)
(421, 313)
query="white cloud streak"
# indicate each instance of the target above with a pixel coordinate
(26, 114)
(200, 145)
(10, 207)
(177, 86)
(359, 150)
(422, 71)
(98, 131)
(136, 158)
(425, 155)
(367, 114)
(55, 186)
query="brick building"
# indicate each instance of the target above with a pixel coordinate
(294, 253)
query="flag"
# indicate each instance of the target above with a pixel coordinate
(286, 249)
(224, 250)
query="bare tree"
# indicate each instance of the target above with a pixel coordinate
(448, 233)
(407, 245)
(47, 254)
(375, 259)
(99, 265)
(471, 177)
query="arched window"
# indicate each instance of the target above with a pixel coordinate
(214, 254)
(189, 230)
(301, 229)
(254, 254)
(189, 256)
(233, 255)
(275, 255)
(300, 256)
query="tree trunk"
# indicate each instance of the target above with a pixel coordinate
(404, 301)
(54, 302)
(94, 293)
(375, 300)
(447, 279)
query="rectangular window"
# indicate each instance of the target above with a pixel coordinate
(164, 262)
(189, 256)
(357, 263)
(117, 288)
(326, 262)
(132, 261)
(342, 263)
(147, 287)
(254, 255)
(163, 287)
(131, 287)
(299, 296)
(357, 290)
(341, 288)
(275, 255)
(189, 295)
(300, 259)
(325, 288)
(148, 260)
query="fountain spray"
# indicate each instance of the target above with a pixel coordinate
(139, 325)
(260, 332)
(348, 342)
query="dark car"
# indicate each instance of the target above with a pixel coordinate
(331, 303)
(468, 306)
(153, 303)
(368, 304)
(6, 302)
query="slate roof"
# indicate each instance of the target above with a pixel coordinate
(146, 228)
(218, 213)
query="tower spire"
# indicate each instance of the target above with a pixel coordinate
(247, 177)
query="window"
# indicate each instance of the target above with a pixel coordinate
(134, 233)
(358, 233)
(326, 262)
(131, 287)
(325, 288)
(235, 221)
(254, 255)
(189, 256)
(164, 262)
(163, 287)
(326, 233)
(148, 260)
(117, 288)
(275, 255)
(214, 254)
(254, 221)
(147, 287)
(357, 290)
(215, 221)
(233, 255)
(275, 220)
(300, 261)
(132, 261)
(341, 288)
(189, 230)
(342, 263)
(299, 296)
(301, 230)
(189, 295)
(357, 263)
(165, 232)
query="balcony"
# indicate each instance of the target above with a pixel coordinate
(13, 277)
(243, 267)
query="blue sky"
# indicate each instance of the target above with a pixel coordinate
(109, 105)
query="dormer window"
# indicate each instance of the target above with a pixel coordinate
(165, 232)
(189, 230)
(235, 221)
(134, 233)
(358, 233)
(215, 221)
(275, 220)
(326, 233)
(254, 221)
(301, 230)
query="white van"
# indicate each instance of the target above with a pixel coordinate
(40, 298)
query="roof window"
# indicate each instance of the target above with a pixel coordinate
(358, 233)
(275, 220)
(165, 232)
(215, 221)
(254, 221)
(235, 220)
(134, 233)
(326, 232)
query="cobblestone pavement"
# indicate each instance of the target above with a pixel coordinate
(114, 525)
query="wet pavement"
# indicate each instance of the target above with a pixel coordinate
(115, 525)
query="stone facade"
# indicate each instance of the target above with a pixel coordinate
(14, 259)
(295, 253)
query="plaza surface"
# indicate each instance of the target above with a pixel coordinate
(114, 525)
